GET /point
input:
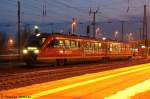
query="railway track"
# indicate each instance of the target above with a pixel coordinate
(20, 79)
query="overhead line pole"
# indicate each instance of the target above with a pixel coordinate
(94, 20)
(145, 36)
(19, 43)
(122, 31)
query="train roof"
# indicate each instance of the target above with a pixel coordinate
(73, 36)
(77, 37)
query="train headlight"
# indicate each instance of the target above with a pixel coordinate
(25, 51)
(36, 51)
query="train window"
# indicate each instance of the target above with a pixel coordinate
(100, 45)
(88, 46)
(35, 41)
(42, 41)
(73, 44)
(67, 43)
(53, 43)
(96, 46)
(61, 43)
(110, 49)
(77, 44)
(110, 45)
(128, 48)
(56, 43)
(118, 47)
(124, 47)
(92, 45)
(121, 48)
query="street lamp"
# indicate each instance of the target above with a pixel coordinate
(73, 25)
(36, 29)
(115, 35)
(104, 38)
(10, 43)
(130, 36)
(98, 32)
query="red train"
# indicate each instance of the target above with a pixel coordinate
(61, 49)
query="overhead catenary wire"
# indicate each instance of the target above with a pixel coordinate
(30, 7)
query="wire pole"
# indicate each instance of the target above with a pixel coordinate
(19, 43)
(73, 25)
(122, 31)
(94, 18)
(145, 38)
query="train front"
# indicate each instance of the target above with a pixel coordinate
(32, 48)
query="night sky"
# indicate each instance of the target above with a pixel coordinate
(60, 13)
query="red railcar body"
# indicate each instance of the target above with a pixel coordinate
(60, 49)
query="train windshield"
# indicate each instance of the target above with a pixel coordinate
(35, 41)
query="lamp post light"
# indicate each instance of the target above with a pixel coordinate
(36, 29)
(73, 26)
(130, 36)
(115, 35)
(98, 32)
(104, 38)
(10, 43)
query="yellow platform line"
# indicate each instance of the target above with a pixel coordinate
(131, 91)
(59, 89)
